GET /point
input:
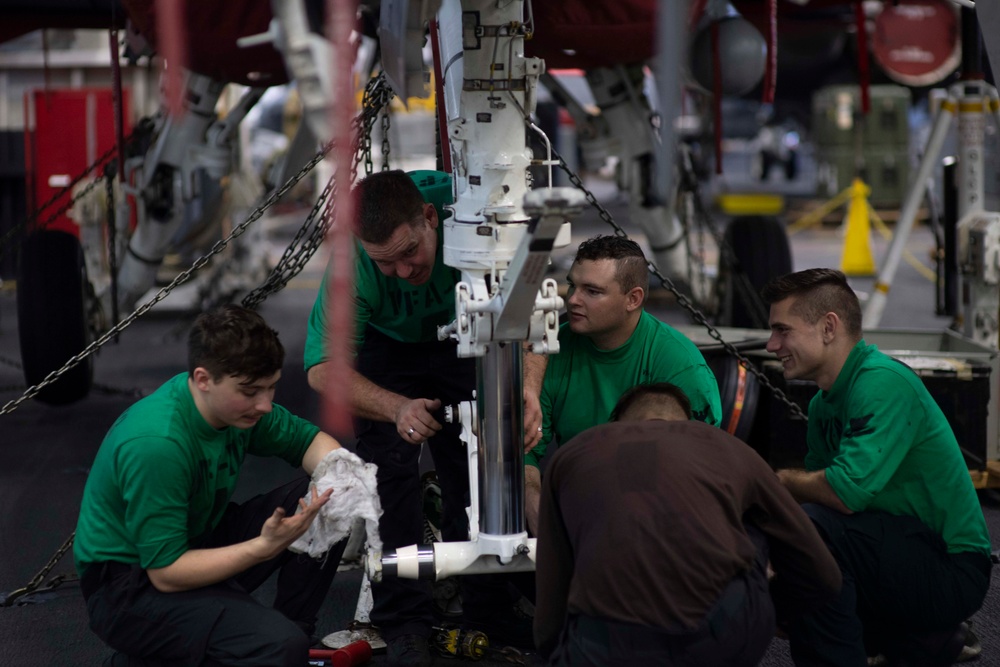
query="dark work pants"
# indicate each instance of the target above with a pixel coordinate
(419, 370)
(735, 632)
(903, 595)
(221, 624)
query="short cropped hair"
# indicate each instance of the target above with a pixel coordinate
(386, 200)
(631, 268)
(234, 341)
(818, 292)
(658, 399)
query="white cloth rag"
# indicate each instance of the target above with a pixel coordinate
(355, 494)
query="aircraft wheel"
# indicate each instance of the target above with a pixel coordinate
(738, 389)
(761, 249)
(51, 314)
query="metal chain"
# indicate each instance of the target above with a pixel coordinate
(103, 388)
(16, 229)
(682, 300)
(385, 138)
(40, 577)
(313, 231)
(377, 91)
(365, 139)
(137, 133)
(181, 278)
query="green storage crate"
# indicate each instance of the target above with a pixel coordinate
(835, 111)
(886, 171)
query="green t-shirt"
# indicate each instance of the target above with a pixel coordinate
(407, 313)
(886, 445)
(583, 383)
(163, 476)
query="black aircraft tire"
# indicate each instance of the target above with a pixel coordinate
(51, 315)
(761, 247)
(739, 390)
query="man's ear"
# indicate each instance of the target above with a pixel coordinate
(831, 326)
(202, 378)
(431, 215)
(634, 298)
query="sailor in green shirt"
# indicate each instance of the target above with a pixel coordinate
(404, 375)
(165, 559)
(885, 483)
(609, 345)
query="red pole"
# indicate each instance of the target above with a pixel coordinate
(170, 44)
(116, 70)
(771, 68)
(717, 95)
(442, 113)
(863, 74)
(337, 393)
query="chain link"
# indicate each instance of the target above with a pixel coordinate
(106, 389)
(139, 132)
(377, 92)
(682, 300)
(385, 137)
(313, 231)
(162, 294)
(17, 229)
(181, 278)
(365, 140)
(40, 577)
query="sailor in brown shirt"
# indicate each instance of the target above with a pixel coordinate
(654, 538)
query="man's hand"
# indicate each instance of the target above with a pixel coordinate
(811, 487)
(414, 421)
(280, 530)
(202, 567)
(532, 420)
(534, 374)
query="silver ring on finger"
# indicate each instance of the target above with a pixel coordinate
(409, 431)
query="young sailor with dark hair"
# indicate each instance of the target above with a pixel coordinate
(165, 559)
(884, 482)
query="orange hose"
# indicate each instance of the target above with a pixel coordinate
(739, 399)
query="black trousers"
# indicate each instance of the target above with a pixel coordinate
(221, 624)
(735, 632)
(903, 594)
(419, 370)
